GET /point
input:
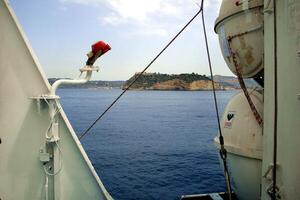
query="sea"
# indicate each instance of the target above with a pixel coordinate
(151, 144)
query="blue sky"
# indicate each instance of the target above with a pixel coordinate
(62, 31)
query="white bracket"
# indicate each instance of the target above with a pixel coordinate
(269, 177)
(54, 133)
(44, 155)
(269, 7)
(45, 98)
(89, 69)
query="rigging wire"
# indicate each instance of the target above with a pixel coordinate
(223, 152)
(274, 187)
(141, 73)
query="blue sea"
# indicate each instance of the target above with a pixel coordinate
(152, 144)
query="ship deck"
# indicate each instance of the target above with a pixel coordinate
(210, 196)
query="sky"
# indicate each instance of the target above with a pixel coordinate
(61, 32)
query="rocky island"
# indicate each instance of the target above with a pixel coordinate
(157, 81)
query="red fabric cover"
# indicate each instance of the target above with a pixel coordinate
(100, 46)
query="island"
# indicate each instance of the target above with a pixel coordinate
(158, 81)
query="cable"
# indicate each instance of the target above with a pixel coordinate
(140, 74)
(275, 105)
(46, 188)
(223, 152)
(48, 138)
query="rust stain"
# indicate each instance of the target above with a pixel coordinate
(249, 56)
(242, 42)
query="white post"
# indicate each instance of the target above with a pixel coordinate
(53, 136)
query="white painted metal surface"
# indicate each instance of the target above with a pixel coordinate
(288, 124)
(24, 124)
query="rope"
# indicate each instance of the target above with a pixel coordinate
(140, 74)
(241, 80)
(223, 152)
(274, 187)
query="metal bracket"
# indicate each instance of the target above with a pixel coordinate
(45, 98)
(271, 192)
(89, 69)
(54, 130)
(44, 155)
(269, 7)
(268, 176)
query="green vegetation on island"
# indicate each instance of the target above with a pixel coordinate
(157, 81)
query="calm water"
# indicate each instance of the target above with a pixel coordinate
(152, 144)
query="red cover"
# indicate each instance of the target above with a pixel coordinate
(100, 46)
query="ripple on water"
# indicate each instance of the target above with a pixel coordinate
(151, 145)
